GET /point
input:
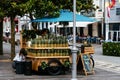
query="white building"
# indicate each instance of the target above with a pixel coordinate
(111, 25)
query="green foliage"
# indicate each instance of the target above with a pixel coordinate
(29, 34)
(1, 13)
(42, 8)
(67, 64)
(51, 8)
(111, 49)
(44, 65)
(14, 7)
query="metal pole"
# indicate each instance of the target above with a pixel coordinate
(74, 49)
(106, 21)
(103, 16)
(107, 29)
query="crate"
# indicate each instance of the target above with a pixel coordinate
(89, 50)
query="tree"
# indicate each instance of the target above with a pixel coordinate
(1, 30)
(51, 8)
(11, 8)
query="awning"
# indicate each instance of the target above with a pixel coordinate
(65, 16)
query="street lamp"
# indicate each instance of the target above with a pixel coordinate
(74, 49)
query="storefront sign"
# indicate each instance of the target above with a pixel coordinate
(99, 14)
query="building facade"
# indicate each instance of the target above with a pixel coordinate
(111, 18)
(112, 21)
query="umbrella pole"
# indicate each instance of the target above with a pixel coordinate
(74, 49)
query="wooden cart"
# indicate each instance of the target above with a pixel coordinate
(48, 55)
(51, 54)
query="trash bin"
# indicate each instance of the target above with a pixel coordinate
(19, 67)
(28, 68)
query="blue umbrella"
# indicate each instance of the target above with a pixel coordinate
(65, 16)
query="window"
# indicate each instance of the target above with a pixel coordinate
(117, 11)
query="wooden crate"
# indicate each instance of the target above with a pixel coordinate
(89, 50)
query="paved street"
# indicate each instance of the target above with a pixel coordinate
(108, 63)
(106, 68)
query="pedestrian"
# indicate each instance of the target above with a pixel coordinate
(7, 32)
(19, 57)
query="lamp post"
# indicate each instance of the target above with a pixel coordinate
(74, 49)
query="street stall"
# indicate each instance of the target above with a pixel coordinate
(47, 52)
(50, 52)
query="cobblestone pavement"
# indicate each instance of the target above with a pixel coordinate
(106, 68)
(7, 73)
(108, 63)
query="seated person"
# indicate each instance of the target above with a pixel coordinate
(21, 56)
